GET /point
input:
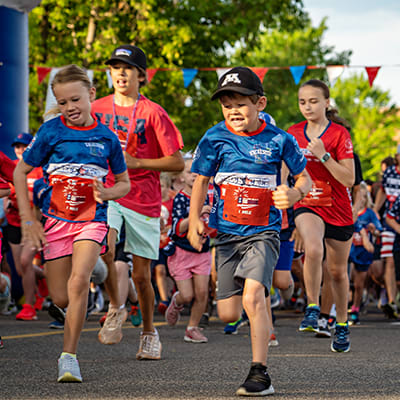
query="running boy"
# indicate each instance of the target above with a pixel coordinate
(151, 143)
(244, 156)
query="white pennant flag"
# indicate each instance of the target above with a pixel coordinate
(333, 73)
(222, 71)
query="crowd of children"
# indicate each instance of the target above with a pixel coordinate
(103, 195)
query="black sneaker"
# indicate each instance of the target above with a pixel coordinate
(57, 313)
(257, 383)
(204, 320)
(390, 310)
(341, 342)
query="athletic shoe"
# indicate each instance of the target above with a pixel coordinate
(111, 332)
(341, 343)
(232, 327)
(275, 299)
(173, 313)
(57, 313)
(28, 313)
(354, 320)
(299, 305)
(162, 307)
(194, 335)
(323, 329)
(204, 320)
(149, 347)
(98, 299)
(68, 369)
(257, 383)
(310, 321)
(1, 343)
(56, 325)
(390, 310)
(102, 319)
(273, 341)
(135, 315)
(39, 302)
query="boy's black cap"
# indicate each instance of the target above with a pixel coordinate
(128, 54)
(241, 80)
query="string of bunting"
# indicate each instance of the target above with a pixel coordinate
(333, 71)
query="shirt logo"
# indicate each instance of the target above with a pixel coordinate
(260, 154)
(231, 78)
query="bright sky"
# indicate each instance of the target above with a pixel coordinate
(371, 29)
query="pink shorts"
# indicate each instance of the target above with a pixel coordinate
(61, 236)
(183, 264)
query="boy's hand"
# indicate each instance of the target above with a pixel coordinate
(196, 234)
(284, 197)
(298, 241)
(206, 209)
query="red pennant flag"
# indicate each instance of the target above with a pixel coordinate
(260, 72)
(151, 73)
(372, 72)
(42, 72)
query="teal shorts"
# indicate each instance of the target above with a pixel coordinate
(142, 233)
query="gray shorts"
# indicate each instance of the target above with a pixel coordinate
(241, 257)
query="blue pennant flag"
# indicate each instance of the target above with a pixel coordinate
(297, 72)
(188, 76)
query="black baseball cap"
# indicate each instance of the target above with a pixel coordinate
(241, 80)
(128, 54)
(22, 138)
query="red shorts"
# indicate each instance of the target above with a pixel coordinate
(183, 264)
(61, 236)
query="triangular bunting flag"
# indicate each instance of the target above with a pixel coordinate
(188, 76)
(109, 79)
(372, 72)
(333, 73)
(297, 72)
(260, 72)
(42, 72)
(221, 71)
(150, 74)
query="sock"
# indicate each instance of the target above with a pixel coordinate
(355, 309)
(64, 353)
(121, 307)
(313, 305)
(341, 323)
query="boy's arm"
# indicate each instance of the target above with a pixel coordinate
(285, 197)
(393, 223)
(366, 242)
(32, 230)
(196, 226)
(379, 200)
(172, 163)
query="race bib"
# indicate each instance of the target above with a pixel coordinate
(285, 221)
(72, 198)
(245, 205)
(357, 239)
(320, 195)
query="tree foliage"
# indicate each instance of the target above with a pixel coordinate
(173, 33)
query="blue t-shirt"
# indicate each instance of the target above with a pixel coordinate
(71, 158)
(246, 169)
(358, 253)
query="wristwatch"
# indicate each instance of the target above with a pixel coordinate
(325, 157)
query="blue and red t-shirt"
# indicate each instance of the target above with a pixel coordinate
(246, 169)
(328, 197)
(72, 157)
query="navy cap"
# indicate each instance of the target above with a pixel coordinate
(241, 80)
(128, 54)
(23, 138)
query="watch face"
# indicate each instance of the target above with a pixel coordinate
(326, 156)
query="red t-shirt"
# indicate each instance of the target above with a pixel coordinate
(12, 213)
(328, 198)
(6, 171)
(152, 136)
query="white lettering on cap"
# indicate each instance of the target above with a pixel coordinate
(123, 52)
(231, 78)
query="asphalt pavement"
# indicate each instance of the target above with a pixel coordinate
(301, 367)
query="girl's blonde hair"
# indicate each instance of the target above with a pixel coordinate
(70, 73)
(364, 187)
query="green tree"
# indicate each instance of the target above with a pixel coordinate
(173, 33)
(374, 124)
